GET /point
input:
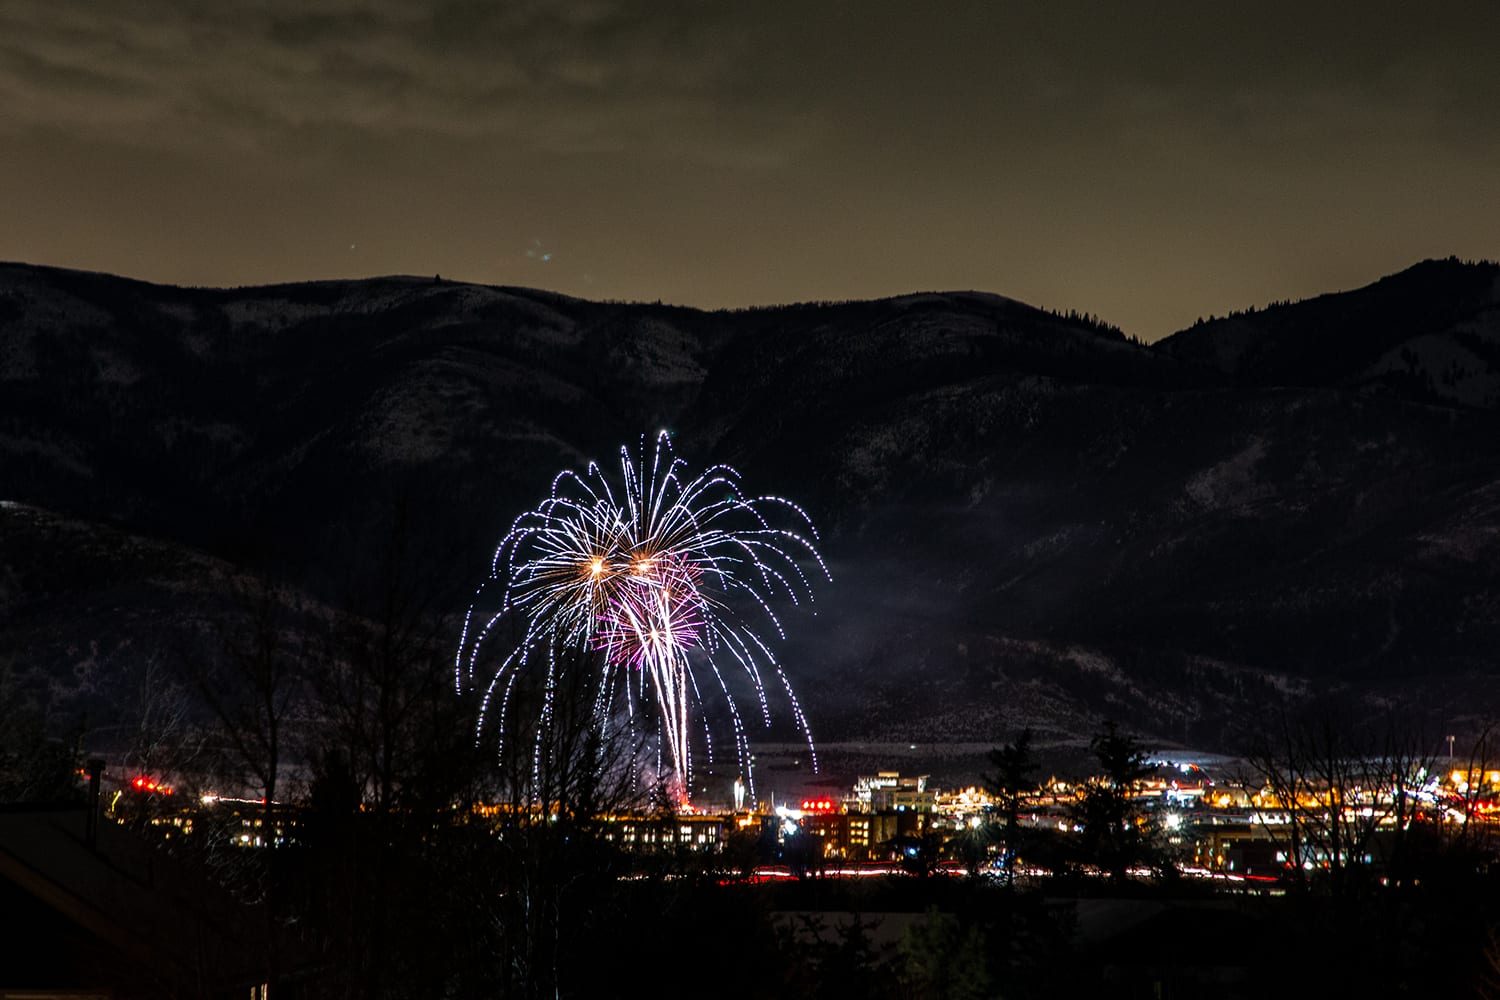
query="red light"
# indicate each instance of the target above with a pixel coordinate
(139, 782)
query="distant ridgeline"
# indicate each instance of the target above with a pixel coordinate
(1030, 517)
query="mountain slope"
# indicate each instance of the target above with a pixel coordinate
(1430, 333)
(1029, 519)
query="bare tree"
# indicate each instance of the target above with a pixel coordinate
(383, 693)
(164, 742)
(1481, 760)
(251, 675)
(255, 682)
(558, 866)
(1338, 784)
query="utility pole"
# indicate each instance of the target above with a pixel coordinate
(91, 825)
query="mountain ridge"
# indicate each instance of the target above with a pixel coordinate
(1022, 508)
(1429, 332)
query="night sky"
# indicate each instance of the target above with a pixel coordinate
(1147, 162)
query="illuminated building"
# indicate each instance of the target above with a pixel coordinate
(888, 790)
(866, 785)
(704, 834)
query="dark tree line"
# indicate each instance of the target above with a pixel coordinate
(1111, 831)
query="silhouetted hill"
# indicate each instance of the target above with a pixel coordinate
(1030, 519)
(1430, 333)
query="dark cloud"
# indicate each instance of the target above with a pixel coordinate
(1147, 162)
(467, 69)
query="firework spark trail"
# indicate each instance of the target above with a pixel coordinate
(647, 575)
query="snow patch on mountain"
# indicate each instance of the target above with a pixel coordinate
(1229, 483)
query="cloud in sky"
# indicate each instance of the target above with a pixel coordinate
(1148, 163)
(565, 77)
(632, 69)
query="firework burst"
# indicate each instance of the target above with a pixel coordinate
(668, 579)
